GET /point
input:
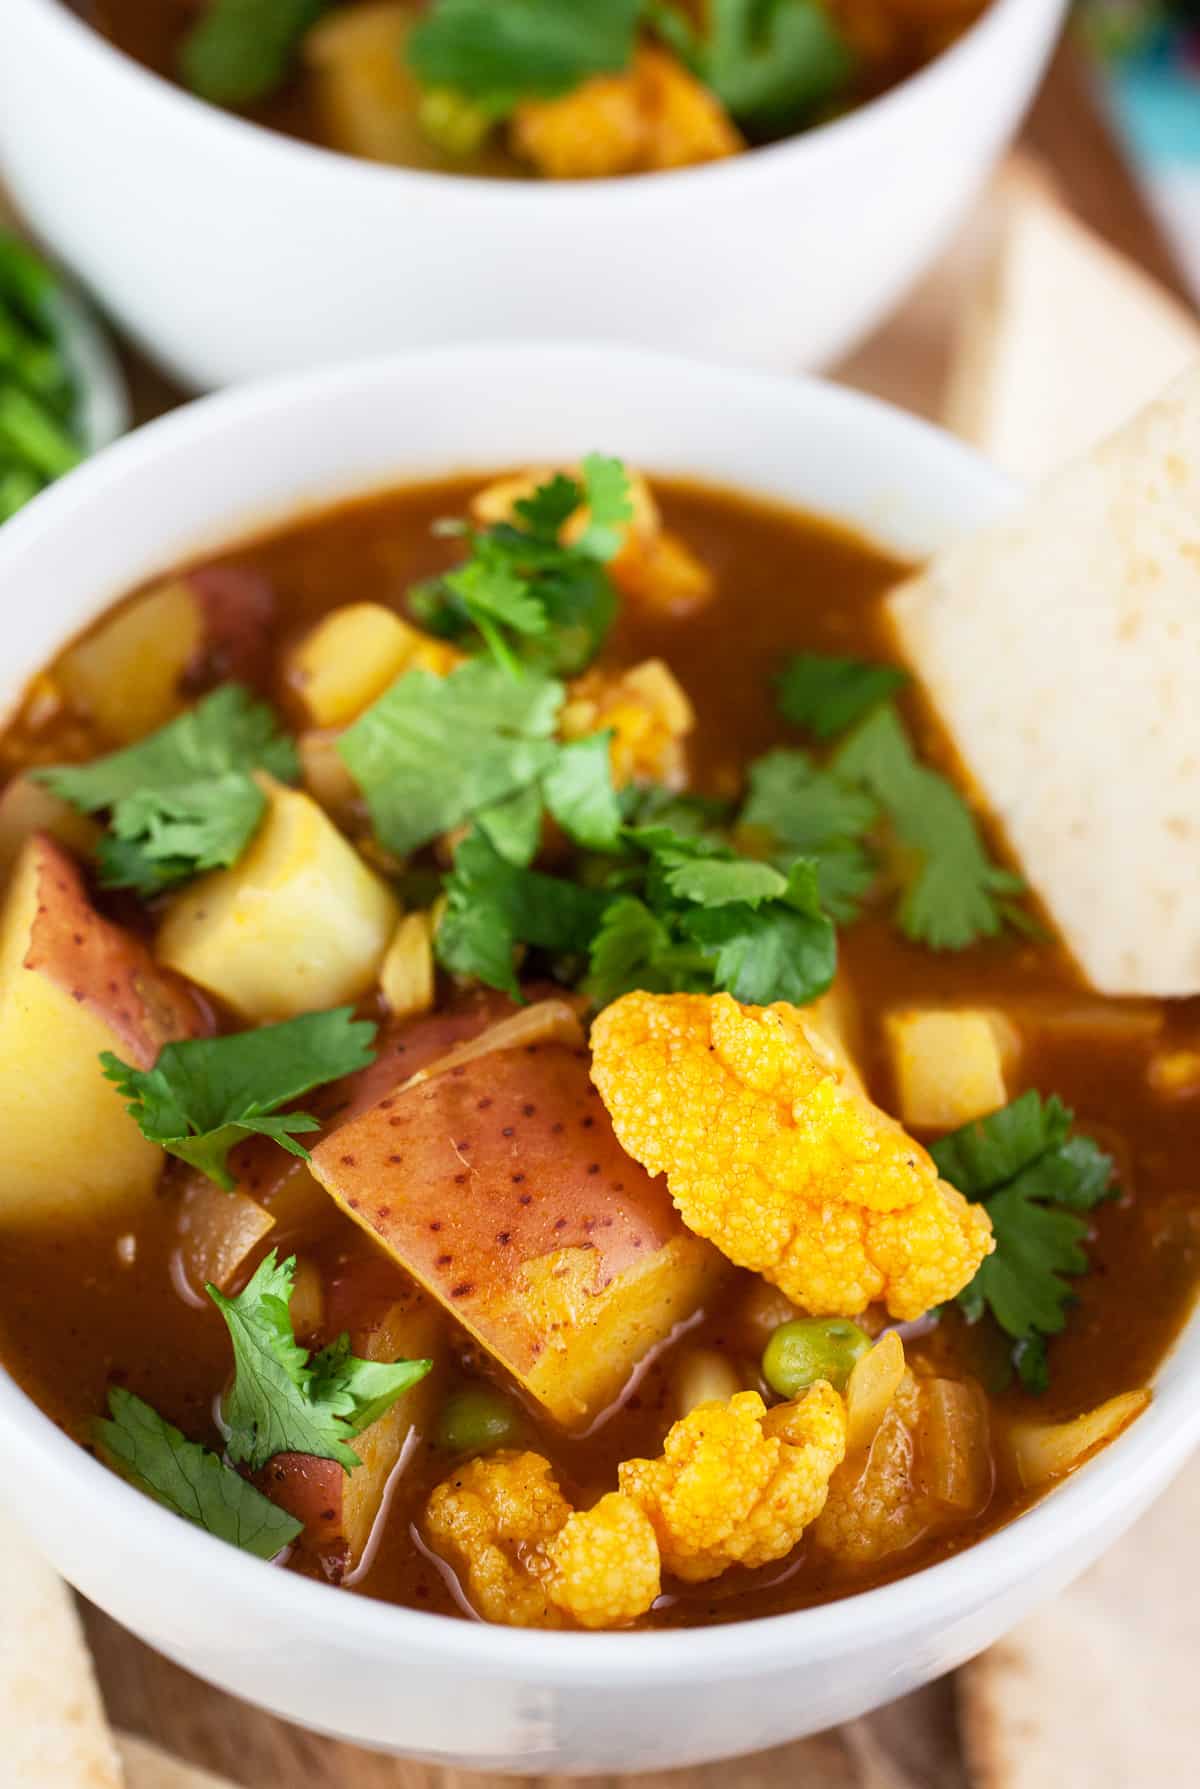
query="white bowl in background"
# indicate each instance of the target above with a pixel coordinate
(229, 251)
(448, 1690)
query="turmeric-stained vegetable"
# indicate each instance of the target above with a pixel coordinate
(774, 1154)
(1043, 1452)
(950, 1066)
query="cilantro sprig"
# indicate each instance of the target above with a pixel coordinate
(239, 51)
(285, 1400)
(669, 912)
(183, 800)
(771, 63)
(1036, 1178)
(190, 1480)
(205, 1094)
(499, 55)
(951, 891)
(527, 594)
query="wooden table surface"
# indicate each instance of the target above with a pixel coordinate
(144, 1693)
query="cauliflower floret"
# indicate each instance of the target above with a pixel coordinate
(493, 1521)
(773, 1152)
(737, 1484)
(648, 714)
(653, 116)
(605, 1569)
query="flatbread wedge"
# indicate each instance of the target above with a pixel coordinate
(53, 1731)
(147, 1766)
(1061, 649)
(1061, 338)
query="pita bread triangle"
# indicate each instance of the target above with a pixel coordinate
(1061, 338)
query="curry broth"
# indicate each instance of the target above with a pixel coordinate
(82, 1310)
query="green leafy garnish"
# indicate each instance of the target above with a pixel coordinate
(795, 809)
(205, 1094)
(674, 912)
(183, 799)
(498, 55)
(825, 695)
(493, 905)
(39, 423)
(525, 595)
(953, 894)
(579, 792)
(1035, 1178)
(189, 1479)
(771, 63)
(284, 1400)
(433, 751)
(239, 51)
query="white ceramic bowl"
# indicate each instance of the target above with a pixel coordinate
(231, 252)
(454, 1691)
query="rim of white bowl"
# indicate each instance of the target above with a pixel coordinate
(974, 44)
(1112, 1485)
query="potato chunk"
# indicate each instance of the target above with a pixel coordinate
(339, 1510)
(501, 1187)
(71, 986)
(950, 1066)
(300, 923)
(352, 655)
(27, 807)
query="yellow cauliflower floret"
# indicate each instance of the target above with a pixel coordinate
(648, 714)
(773, 1152)
(605, 1564)
(493, 1521)
(654, 116)
(737, 1484)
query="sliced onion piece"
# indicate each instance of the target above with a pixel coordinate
(954, 1447)
(549, 1021)
(1043, 1452)
(873, 1383)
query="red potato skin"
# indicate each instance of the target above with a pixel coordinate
(106, 968)
(237, 611)
(501, 1163)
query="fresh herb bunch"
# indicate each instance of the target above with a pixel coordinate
(1036, 1178)
(39, 399)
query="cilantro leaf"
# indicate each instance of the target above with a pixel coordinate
(162, 836)
(578, 790)
(183, 799)
(227, 730)
(633, 948)
(783, 949)
(771, 63)
(190, 1480)
(804, 811)
(954, 894)
(530, 597)
(499, 55)
(284, 1401)
(204, 1094)
(1035, 1178)
(514, 825)
(433, 751)
(492, 906)
(241, 50)
(825, 695)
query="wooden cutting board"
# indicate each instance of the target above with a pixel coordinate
(913, 1744)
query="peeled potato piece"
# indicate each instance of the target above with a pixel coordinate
(298, 924)
(501, 1187)
(950, 1065)
(71, 986)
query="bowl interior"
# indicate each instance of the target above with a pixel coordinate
(231, 464)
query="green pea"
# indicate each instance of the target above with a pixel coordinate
(476, 1420)
(453, 123)
(811, 1348)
